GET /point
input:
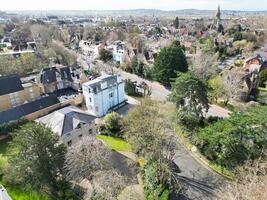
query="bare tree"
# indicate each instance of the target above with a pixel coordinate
(106, 185)
(205, 65)
(234, 82)
(85, 158)
(251, 184)
(148, 129)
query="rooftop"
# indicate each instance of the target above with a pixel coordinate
(27, 108)
(10, 84)
(66, 120)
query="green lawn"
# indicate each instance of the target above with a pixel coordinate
(16, 192)
(115, 143)
(262, 89)
(3, 152)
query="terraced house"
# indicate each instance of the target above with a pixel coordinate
(15, 93)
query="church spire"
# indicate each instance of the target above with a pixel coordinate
(218, 13)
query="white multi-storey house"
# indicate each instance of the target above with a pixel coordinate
(118, 52)
(104, 94)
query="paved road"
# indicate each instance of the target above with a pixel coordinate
(159, 92)
(199, 182)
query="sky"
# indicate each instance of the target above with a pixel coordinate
(132, 4)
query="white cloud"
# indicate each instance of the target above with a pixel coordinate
(130, 4)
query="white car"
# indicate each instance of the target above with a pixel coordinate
(3, 194)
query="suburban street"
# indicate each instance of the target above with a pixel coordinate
(198, 180)
(159, 92)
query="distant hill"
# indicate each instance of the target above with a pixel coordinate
(155, 12)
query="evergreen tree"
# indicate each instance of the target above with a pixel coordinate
(169, 60)
(176, 23)
(190, 96)
(37, 160)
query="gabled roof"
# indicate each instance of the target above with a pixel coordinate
(10, 84)
(67, 119)
(18, 112)
(96, 83)
(48, 75)
(65, 73)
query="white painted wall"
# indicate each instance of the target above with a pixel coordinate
(99, 104)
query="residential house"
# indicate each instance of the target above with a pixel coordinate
(14, 93)
(246, 80)
(31, 110)
(70, 123)
(104, 94)
(256, 60)
(118, 51)
(57, 78)
(5, 44)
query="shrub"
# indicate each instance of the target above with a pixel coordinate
(11, 126)
(238, 36)
(131, 88)
(112, 125)
(105, 55)
(232, 141)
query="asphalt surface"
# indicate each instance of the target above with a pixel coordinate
(199, 182)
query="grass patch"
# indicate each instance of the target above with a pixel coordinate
(18, 193)
(3, 153)
(165, 195)
(114, 143)
(262, 89)
(222, 170)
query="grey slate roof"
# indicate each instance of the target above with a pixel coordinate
(10, 84)
(96, 83)
(65, 73)
(66, 120)
(48, 75)
(28, 108)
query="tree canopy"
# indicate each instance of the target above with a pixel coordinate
(190, 96)
(169, 60)
(105, 55)
(146, 130)
(234, 140)
(37, 159)
(176, 23)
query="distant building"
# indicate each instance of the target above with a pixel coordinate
(14, 93)
(70, 123)
(118, 52)
(104, 94)
(217, 24)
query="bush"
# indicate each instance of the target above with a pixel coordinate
(112, 125)
(239, 63)
(131, 88)
(238, 36)
(105, 55)
(232, 141)
(11, 126)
